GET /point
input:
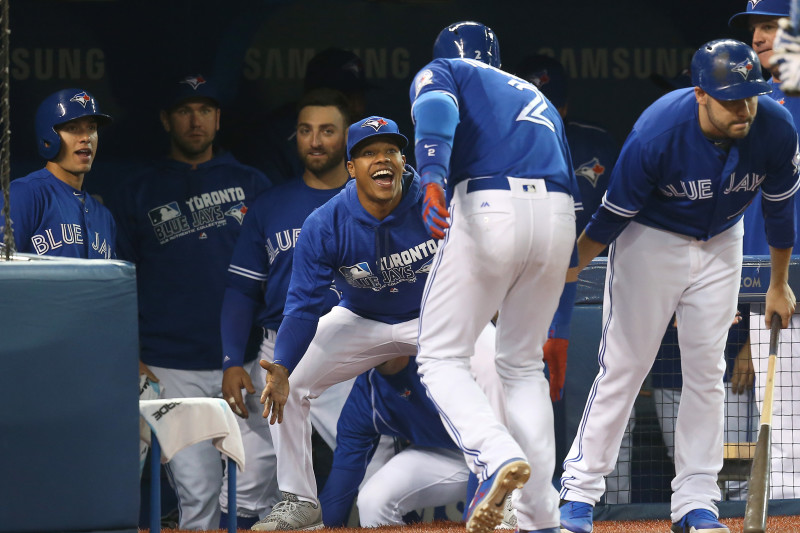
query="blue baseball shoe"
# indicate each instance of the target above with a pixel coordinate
(486, 509)
(699, 521)
(576, 517)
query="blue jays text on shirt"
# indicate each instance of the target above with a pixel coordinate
(205, 211)
(284, 241)
(70, 234)
(703, 189)
(394, 268)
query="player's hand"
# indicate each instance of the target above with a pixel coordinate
(780, 299)
(143, 369)
(276, 392)
(555, 355)
(744, 375)
(786, 56)
(434, 212)
(234, 379)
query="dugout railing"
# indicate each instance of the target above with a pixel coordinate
(639, 487)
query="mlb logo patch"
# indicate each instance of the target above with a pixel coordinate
(164, 213)
(81, 98)
(361, 270)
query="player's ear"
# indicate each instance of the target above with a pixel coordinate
(701, 96)
(351, 169)
(165, 120)
(404, 160)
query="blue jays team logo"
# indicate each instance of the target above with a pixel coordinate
(82, 98)
(238, 211)
(374, 123)
(591, 170)
(426, 268)
(193, 81)
(540, 78)
(406, 394)
(423, 78)
(164, 213)
(753, 4)
(743, 68)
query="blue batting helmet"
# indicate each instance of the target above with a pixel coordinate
(728, 69)
(59, 108)
(468, 40)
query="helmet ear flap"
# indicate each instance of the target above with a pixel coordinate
(468, 40)
(61, 107)
(728, 69)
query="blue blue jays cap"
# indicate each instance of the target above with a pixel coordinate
(193, 86)
(770, 8)
(370, 127)
(547, 74)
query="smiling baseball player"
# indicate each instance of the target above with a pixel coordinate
(672, 213)
(371, 242)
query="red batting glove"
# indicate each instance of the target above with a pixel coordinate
(555, 355)
(434, 212)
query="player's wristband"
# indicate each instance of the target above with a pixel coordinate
(559, 328)
(433, 160)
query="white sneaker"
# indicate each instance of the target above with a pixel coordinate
(509, 518)
(291, 514)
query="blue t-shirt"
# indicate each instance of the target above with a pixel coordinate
(180, 227)
(395, 405)
(50, 217)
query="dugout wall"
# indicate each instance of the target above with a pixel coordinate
(69, 432)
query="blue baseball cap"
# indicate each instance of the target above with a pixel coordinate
(770, 8)
(193, 86)
(547, 74)
(370, 127)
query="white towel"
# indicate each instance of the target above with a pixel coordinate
(181, 422)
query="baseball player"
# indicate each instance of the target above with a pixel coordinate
(258, 276)
(764, 20)
(687, 171)
(51, 213)
(371, 242)
(178, 222)
(498, 147)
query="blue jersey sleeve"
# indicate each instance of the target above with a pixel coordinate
(631, 183)
(356, 441)
(777, 195)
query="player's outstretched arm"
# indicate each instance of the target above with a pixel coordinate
(234, 379)
(276, 392)
(588, 249)
(780, 297)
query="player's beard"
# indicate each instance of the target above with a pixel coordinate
(192, 149)
(319, 167)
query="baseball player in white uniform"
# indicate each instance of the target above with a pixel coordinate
(672, 213)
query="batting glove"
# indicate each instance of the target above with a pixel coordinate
(555, 355)
(787, 57)
(434, 212)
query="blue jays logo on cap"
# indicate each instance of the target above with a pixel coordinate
(753, 3)
(371, 127)
(82, 98)
(374, 123)
(743, 68)
(540, 78)
(193, 81)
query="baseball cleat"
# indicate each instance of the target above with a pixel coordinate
(576, 517)
(486, 509)
(291, 514)
(699, 521)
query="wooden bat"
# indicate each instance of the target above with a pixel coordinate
(755, 513)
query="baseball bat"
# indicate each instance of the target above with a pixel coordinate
(755, 512)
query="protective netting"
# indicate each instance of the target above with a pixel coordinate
(8, 246)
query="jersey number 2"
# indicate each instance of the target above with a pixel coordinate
(534, 111)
